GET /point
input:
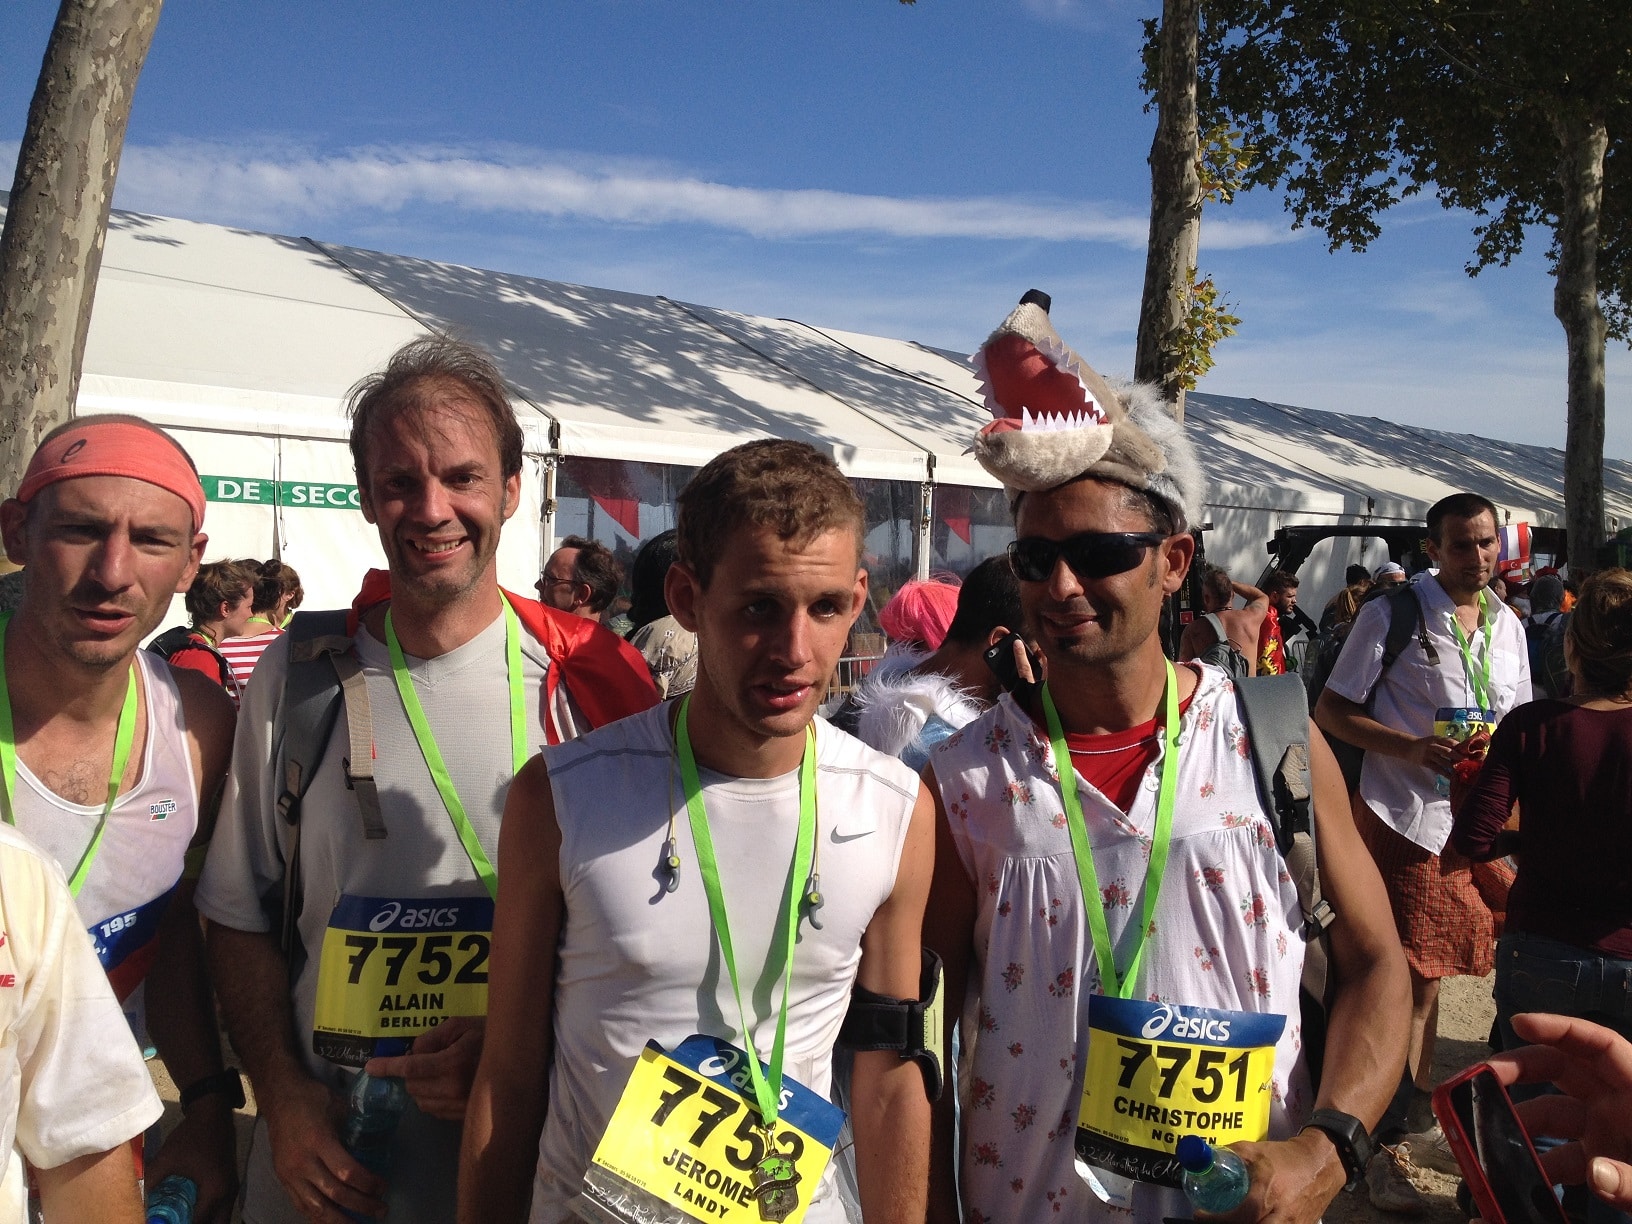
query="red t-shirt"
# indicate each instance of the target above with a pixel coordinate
(197, 656)
(1114, 763)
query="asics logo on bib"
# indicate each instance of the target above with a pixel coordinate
(1172, 1022)
(734, 1067)
(414, 918)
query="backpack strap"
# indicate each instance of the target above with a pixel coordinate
(323, 679)
(1405, 622)
(185, 637)
(1218, 627)
(1275, 710)
(170, 641)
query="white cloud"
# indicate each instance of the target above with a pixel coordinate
(1087, 14)
(282, 185)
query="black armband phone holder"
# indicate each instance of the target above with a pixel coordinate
(910, 1027)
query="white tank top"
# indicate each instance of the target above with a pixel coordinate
(639, 963)
(148, 832)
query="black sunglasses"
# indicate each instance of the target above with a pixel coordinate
(1093, 554)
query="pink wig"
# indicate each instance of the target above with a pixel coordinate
(919, 613)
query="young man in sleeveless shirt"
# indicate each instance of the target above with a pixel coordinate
(607, 937)
(1127, 950)
(119, 757)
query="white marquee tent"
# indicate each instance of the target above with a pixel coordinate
(245, 345)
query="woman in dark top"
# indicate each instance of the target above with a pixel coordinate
(1567, 946)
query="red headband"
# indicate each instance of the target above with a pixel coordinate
(115, 448)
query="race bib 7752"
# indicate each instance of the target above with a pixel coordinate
(392, 969)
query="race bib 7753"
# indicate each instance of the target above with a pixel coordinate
(686, 1140)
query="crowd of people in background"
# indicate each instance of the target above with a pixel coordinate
(235, 610)
(620, 925)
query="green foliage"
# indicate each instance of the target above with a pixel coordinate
(1222, 161)
(1353, 105)
(1209, 321)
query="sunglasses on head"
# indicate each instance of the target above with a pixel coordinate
(1093, 554)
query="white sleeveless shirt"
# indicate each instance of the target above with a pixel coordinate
(1224, 935)
(148, 832)
(638, 963)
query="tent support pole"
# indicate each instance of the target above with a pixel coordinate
(547, 529)
(926, 508)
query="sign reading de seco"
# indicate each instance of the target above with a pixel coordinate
(248, 490)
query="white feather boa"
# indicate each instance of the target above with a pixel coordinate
(895, 701)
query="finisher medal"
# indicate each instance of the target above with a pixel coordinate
(776, 1187)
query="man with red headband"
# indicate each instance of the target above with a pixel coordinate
(385, 901)
(113, 761)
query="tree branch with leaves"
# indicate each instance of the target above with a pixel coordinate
(1515, 111)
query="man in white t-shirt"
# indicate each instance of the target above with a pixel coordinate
(359, 933)
(596, 954)
(107, 522)
(1465, 667)
(73, 1088)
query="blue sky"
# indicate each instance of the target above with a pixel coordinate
(860, 164)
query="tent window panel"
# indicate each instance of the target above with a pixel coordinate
(891, 509)
(967, 525)
(617, 503)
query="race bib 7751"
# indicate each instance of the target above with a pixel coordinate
(1157, 1072)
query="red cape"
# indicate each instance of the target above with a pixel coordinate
(605, 676)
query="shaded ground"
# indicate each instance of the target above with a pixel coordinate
(1466, 1012)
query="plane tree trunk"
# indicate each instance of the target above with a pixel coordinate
(1583, 142)
(1175, 207)
(51, 247)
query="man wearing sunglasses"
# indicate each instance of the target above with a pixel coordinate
(1126, 949)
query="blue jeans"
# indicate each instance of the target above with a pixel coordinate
(1538, 974)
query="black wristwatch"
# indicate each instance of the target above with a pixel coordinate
(1348, 1136)
(229, 1083)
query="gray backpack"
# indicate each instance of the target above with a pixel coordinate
(1224, 653)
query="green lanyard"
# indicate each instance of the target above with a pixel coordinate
(1119, 986)
(1478, 678)
(768, 1092)
(123, 737)
(433, 754)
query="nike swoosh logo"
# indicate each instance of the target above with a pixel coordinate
(849, 837)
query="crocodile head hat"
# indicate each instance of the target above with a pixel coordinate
(1056, 420)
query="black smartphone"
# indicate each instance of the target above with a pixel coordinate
(1494, 1150)
(1000, 662)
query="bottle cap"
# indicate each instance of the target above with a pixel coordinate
(1195, 1154)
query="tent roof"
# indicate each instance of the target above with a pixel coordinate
(636, 377)
(217, 328)
(1251, 444)
(225, 329)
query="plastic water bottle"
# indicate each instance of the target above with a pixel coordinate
(372, 1114)
(1214, 1178)
(172, 1201)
